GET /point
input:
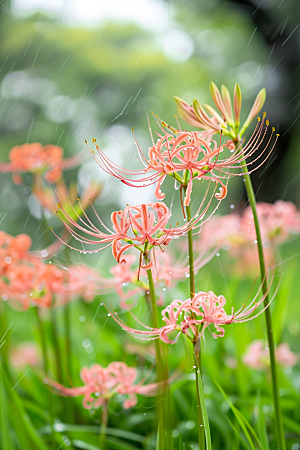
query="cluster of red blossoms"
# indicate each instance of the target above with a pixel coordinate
(36, 158)
(26, 280)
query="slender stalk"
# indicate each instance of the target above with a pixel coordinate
(103, 425)
(43, 341)
(46, 369)
(203, 422)
(57, 354)
(68, 344)
(270, 334)
(201, 434)
(159, 362)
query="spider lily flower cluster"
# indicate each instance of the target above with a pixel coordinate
(186, 156)
(199, 312)
(101, 384)
(37, 159)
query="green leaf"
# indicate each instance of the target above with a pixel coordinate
(238, 417)
(4, 425)
(261, 423)
(204, 412)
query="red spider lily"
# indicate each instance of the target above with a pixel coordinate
(100, 384)
(145, 224)
(203, 310)
(38, 159)
(190, 153)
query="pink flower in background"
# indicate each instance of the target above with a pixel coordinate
(38, 159)
(236, 233)
(100, 384)
(277, 221)
(204, 309)
(285, 356)
(257, 355)
(25, 354)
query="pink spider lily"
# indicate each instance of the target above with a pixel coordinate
(38, 159)
(191, 154)
(192, 316)
(142, 225)
(100, 384)
(207, 118)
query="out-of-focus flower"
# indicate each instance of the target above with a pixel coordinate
(257, 355)
(204, 309)
(277, 222)
(145, 224)
(235, 233)
(48, 198)
(285, 356)
(24, 354)
(100, 384)
(37, 158)
(207, 118)
(26, 280)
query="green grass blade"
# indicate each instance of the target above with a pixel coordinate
(237, 434)
(237, 416)
(4, 425)
(261, 423)
(204, 412)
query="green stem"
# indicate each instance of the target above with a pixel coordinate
(159, 362)
(103, 425)
(201, 433)
(203, 422)
(43, 341)
(46, 369)
(67, 317)
(57, 354)
(271, 342)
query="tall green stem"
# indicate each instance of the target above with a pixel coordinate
(103, 424)
(159, 362)
(43, 341)
(201, 433)
(271, 343)
(57, 354)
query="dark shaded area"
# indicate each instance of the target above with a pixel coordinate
(279, 29)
